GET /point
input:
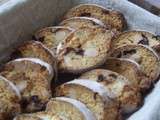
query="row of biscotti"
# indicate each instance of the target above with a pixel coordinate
(52, 36)
(105, 93)
(31, 69)
(102, 87)
(81, 16)
(89, 45)
(92, 41)
(24, 87)
(32, 76)
(86, 44)
(60, 108)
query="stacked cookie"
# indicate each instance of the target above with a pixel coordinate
(112, 69)
(27, 79)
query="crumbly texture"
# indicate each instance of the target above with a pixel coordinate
(34, 49)
(145, 57)
(128, 68)
(79, 22)
(108, 17)
(84, 49)
(31, 80)
(52, 36)
(96, 100)
(9, 100)
(43, 115)
(27, 117)
(118, 87)
(48, 115)
(135, 38)
(69, 109)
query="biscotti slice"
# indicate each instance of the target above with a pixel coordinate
(48, 115)
(9, 100)
(32, 78)
(145, 57)
(69, 109)
(84, 49)
(78, 22)
(28, 117)
(128, 68)
(107, 16)
(52, 36)
(137, 37)
(119, 88)
(93, 95)
(35, 49)
(40, 116)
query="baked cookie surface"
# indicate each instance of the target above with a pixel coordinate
(108, 17)
(147, 59)
(32, 78)
(135, 38)
(118, 87)
(9, 100)
(35, 49)
(93, 95)
(72, 109)
(84, 49)
(78, 22)
(129, 69)
(52, 36)
(27, 117)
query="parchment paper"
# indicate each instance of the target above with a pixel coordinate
(19, 19)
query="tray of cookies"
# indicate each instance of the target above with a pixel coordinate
(79, 60)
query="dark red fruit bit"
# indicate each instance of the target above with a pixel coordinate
(144, 40)
(67, 50)
(43, 68)
(119, 55)
(105, 11)
(24, 103)
(95, 96)
(85, 14)
(41, 39)
(117, 64)
(113, 76)
(79, 52)
(100, 78)
(35, 99)
(40, 106)
(133, 51)
(157, 37)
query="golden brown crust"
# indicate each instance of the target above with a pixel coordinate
(136, 37)
(68, 106)
(145, 57)
(118, 87)
(9, 100)
(35, 49)
(31, 78)
(93, 95)
(84, 49)
(26, 117)
(52, 36)
(78, 22)
(108, 17)
(128, 68)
